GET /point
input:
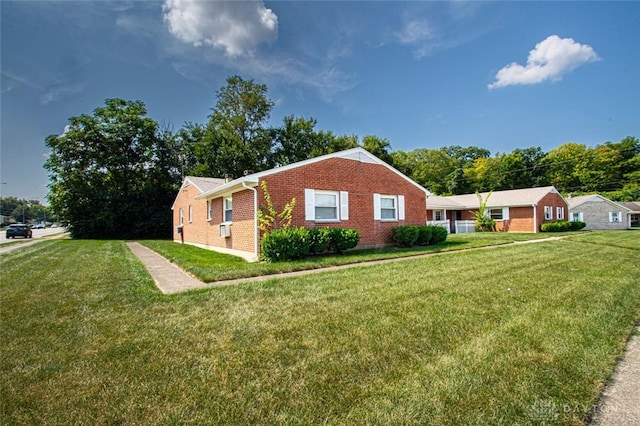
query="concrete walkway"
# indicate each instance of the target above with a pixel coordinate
(619, 404)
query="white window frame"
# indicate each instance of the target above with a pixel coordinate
(548, 212)
(226, 211)
(398, 207)
(341, 208)
(493, 214)
(393, 209)
(577, 217)
(615, 217)
(190, 213)
(438, 215)
(180, 216)
(560, 213)
(209, 210)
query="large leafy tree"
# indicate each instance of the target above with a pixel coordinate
(235, 139)
(113, 174)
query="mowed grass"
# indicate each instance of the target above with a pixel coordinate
(513, 335)
(210, 266)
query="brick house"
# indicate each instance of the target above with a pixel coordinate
(347, 189)
(599, 212)
(517, 210)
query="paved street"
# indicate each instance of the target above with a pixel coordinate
(37, 233)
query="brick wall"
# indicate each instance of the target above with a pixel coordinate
(361, 180)
(207, 232)
(596, 215)
(554, 200)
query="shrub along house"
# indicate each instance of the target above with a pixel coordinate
(517, 210)
(347, 189)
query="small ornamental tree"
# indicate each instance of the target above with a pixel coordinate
(269, 218)
(484, 223)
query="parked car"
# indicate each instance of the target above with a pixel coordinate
(39, 225)
(18, 230)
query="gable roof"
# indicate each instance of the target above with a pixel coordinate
(508, 198)
(203, 184)
(251, 180)
(575, 202)
(633, 206)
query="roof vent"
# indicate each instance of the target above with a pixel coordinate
(227, 178)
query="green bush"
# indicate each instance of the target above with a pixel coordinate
(408, 236)
(562, 226)
(424, 235)
(438, 234)
(285, 244)
(484, 223)
(344, 239)
(576, 226)
(296, 243)
(320, 240)
(405, 236)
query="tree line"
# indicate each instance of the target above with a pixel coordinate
(21, 210)
(116, 172)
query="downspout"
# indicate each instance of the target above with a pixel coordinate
(535, 219)
(255, 219)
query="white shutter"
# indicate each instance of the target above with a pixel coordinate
(505, 213)
(400, 207)
(309, 204)
(610, 217)
(344, 205)
(376, 206)
(581, 217)
(620, 217)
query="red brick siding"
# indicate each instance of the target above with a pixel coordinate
(554, 200)
(520, 220)
(361, 181)
(203, 231)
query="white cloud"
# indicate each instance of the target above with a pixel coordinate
(414, 31)
(235, 26)
(550, 59)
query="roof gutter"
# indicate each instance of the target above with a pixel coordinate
(255, 218)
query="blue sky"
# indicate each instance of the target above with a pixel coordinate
(498, 75)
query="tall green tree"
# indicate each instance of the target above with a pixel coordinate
(236, 139)
(380, 147)
(113, 174)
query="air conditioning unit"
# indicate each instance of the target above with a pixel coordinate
(225, 230)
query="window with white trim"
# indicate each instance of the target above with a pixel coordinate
(227, 207)
(548, 213)
(438, 215)
(190, 214)
(209, 210)
(495, 214)
(388, 207)
(576, 217)
(615, 216)
(501, 213)
(326, 206)
(181, 216)
(560, 213)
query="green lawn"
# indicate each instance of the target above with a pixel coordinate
(522, 334)
(209, 266)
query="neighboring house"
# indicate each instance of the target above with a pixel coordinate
(633, 214)
(517, 210)
(598, 212)
(347, 189)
